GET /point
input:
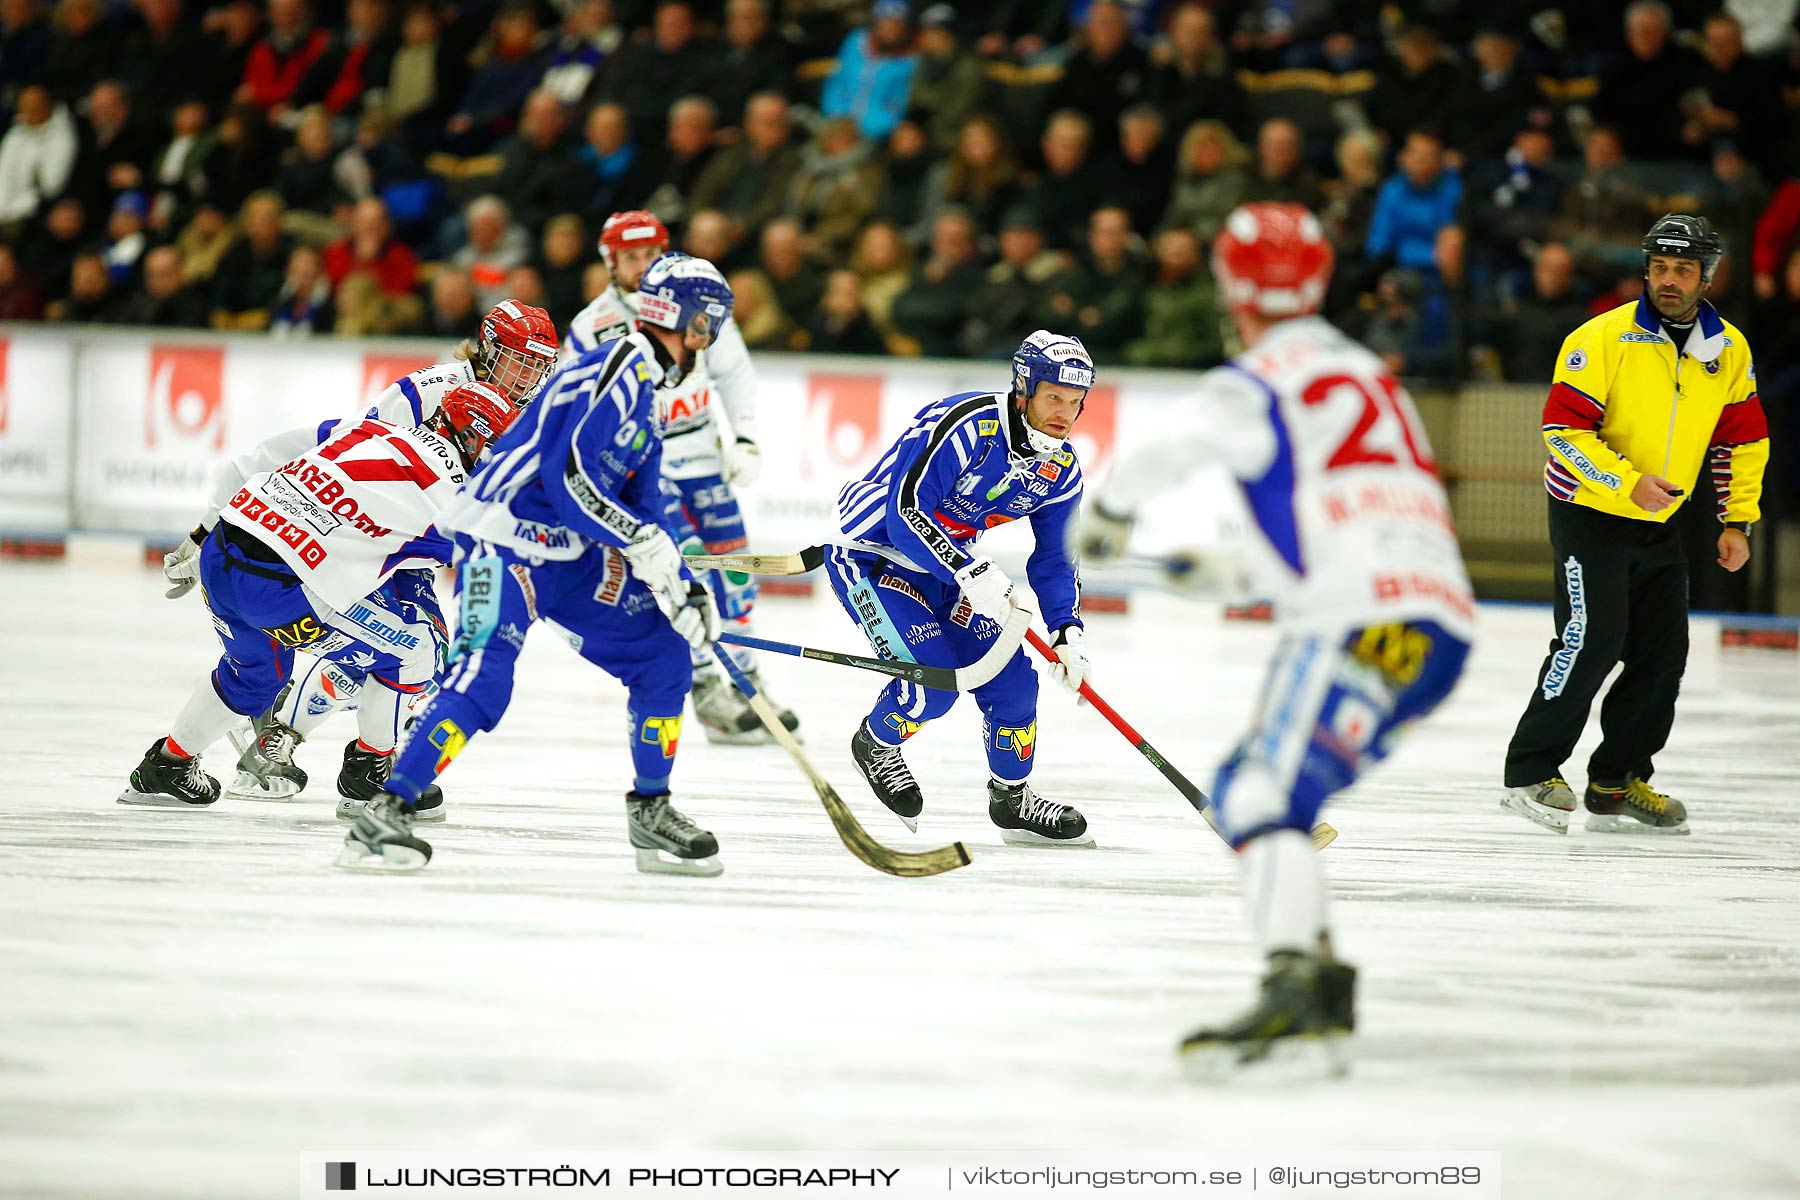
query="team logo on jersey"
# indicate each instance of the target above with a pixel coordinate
(1712, 368)
(902, 726)
(449, 739)
(986, 428)
(1020, 741)
(1576, 360)
(664, 732)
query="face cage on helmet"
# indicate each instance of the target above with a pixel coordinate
(515, 373)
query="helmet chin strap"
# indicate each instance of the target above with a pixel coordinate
(1027, 441)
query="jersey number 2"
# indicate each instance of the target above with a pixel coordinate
(1381, 411)
(377, 470)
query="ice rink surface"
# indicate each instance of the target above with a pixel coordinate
(189, 997)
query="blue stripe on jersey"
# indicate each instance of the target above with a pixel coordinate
(411, 391)
(325, 428)
(1271, 498)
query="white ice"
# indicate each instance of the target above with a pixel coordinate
(188, 999)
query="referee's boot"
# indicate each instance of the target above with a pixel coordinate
(1548, 803)
(1632, 806)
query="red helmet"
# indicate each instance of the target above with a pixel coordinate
(634, 227)
(1272, 259)
(473, 416)
(517, 348)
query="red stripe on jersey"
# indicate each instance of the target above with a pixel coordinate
(1571, 408)
(1741, 423)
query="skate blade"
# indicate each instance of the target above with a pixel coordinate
(349, 810)
(652, 861)
(750, 737)
(1553, 819)
(1613, 823)
(139, 799)
(394, 857)
(1025, 837)
(1288, 1060)
(249, 787)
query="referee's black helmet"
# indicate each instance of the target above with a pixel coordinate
(1678, 235)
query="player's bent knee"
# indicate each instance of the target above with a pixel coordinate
(1251, 801)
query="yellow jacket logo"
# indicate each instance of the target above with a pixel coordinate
(1020, 741)
(665, 732)
(902, 726)
(449, 739)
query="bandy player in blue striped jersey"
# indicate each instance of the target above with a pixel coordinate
(1352, 542)
(904, 570)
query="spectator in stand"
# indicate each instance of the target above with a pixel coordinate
(643, 75)
(525, 285)
(364, 310)
(1493, 96)
(980, 177)
(282, 58)
(874, 74)
(1107, 72)
(1004, 309)
(1510, 205)
(20, 298)
(1101, 299)
(1181, 309)
(1283, 33)
(1537, 321)
(1350, 200)
(748, 181)
(24, 45)
(594, 280)
(1740, 97)
(91, 299)
(125, 240)
(241, 159)
(711, 235)
(932, 310)
(1774, 239)
(166, 300)
(688, 148)
(228, 34)
(494, 246)
(841, 326)
(758, 312)
(883, 262)
(84, 46)
(115, 151)
(589, 37)
(1415, 203)
(540, 171)
(352, 64)
(175, 179)
(783, 260)
(48, 259)
(947, 85)
(1781, 377)
(1281, 173)
(1210, 182)
(36, 158)
(372, 247)
(304, 306)
(454, 313)
(753, 60)
(307, 180)
(614, 168)
(511, 64)
(1396, 330)
(251, 273)
(1603, 208)
(1444, 309)
(166, 61)
(1734, 198)
(1067, 190)
(425, 78)
(1139, 173)
(1193, 77)
(562, 256)
(203, 243)
(833, 192)
(1640, 91)
(906, 167)
(1418, 85)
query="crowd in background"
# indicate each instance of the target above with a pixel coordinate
(893, 178)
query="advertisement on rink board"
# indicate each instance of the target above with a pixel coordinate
(124, 433)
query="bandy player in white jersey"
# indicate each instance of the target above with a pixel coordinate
(515, 351)
(700, 468)
(1353, 544)
(299, 556)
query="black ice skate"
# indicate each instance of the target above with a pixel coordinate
(365, 773)
(1632, 807)
(382, 838)
(265, 766)
(889, 777)
(1027, 819)
(1548, 803)
(1296, 1030)
(724, 714)
(667, 843)
(162, 782)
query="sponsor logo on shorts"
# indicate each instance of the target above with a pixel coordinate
(449, 739)
(921, 632)
(371, 623)
(1021, 741)
(895, 583)
(294, 634)
(522, 575)
(664, 732)
(902, 726)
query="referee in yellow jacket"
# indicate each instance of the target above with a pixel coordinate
(1641, 398)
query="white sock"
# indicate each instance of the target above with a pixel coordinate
(379, 717)
(204, 719)
(1284, 891)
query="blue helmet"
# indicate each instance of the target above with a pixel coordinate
(1046, 357)
(680, 292)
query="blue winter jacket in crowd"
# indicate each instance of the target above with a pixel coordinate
(871, 88)
(1407, 218)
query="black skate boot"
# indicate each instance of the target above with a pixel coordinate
(667, 843)
(382, 838)
(265, 768)
(1294, 1031)
(1632, 806)
(889, 777)
(163, 782)
(789, 721)
(1548, 803)
(364, 775)
(724, 714)
(1027, 819)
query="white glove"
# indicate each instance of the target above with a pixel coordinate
(1103, 535)
(1072, 667)
(987, 589)
(654, 559)
(181, 566)
(743, 463)
(692, 613)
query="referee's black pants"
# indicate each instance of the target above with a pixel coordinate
(1621, 596)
